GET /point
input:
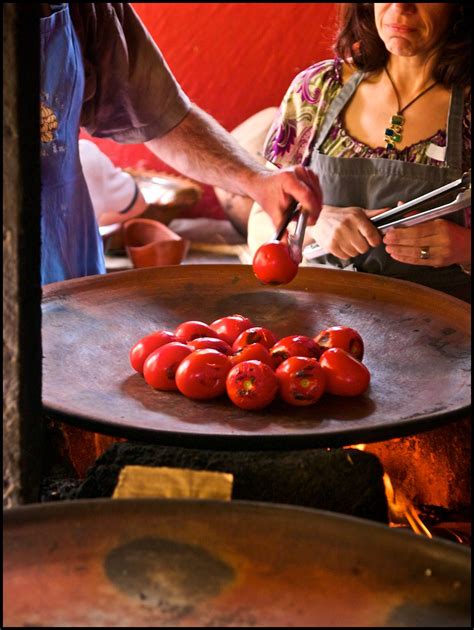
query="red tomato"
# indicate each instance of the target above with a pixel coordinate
(229, 328)
(255, 351)
(251, 385)
(294, 346)
(345, 376)
(210, 342)
(161, 365)
(192, 329)
(273, 264)
(341, 337)
(256, 334)
(143, 348)
(301, 380)
(202, 374)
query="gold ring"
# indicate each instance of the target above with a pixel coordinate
(424, 252)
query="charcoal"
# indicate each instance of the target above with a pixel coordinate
(347, 481)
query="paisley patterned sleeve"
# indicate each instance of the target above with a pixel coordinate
(301, 112)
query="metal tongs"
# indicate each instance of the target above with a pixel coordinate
(460, 189)
(295, 240)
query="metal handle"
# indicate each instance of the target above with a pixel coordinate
(290, 213)
(295, 240)
(462, 201)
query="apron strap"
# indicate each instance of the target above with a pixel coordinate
(454, 144)
(337, 106)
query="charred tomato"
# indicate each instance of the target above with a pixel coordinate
(192, 329)
(202, 374)
(251, 385)
(345, 375)
(145, 346)
(256, 334)
(273, 264)
(342, 337)
(229, 327)
(294, 346)
(160, 366)
(210, 342)
(254, 351)
(301, 380)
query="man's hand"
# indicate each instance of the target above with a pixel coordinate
(275, 190)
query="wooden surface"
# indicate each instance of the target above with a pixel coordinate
(185, 563)
(417, 350)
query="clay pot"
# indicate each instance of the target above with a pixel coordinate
(149, 243)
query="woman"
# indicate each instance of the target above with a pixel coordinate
(387, 120)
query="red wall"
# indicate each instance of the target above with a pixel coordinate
(232, 59)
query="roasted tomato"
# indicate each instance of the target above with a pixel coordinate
(202, 374)
(210, 342)
(251, 385)
(273, 264)
(160, 366)
(143, 348)
(229, 328)
(342, 337)
(301, 380)
(192, 329)
(294, 346)
(255, 351)
(256, 334)
(345, 375)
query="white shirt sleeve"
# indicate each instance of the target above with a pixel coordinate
(114, 193)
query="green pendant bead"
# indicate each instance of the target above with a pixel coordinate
(390, 145)
(397, 120)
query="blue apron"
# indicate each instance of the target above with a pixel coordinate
(379, 182)
(71, 245)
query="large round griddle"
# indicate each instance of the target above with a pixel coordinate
(417, 342)
(174, 563)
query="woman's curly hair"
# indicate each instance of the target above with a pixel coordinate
(357, 39)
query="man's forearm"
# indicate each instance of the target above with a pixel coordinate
(203, 150)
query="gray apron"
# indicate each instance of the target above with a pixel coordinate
(381, 182)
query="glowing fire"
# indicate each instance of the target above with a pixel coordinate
(401, 509)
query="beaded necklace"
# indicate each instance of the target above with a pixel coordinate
(394, 132)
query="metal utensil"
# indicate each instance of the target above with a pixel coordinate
(295, 240)
(460, 189)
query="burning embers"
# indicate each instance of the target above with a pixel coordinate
(427, 481)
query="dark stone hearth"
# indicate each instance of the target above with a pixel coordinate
(347, 481)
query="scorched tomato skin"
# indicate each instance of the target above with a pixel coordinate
(251, 385)
(294, 346)
(192, 329)
(229, 327)
(342, 337)
(160, 366)
(254, 351)
(273, 264)
(301, 381)
(345, 375)
(202, 374)
(145, 346)
(256, 334)
(210, 342)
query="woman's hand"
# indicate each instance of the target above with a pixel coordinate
(446, 242)
(346, 232)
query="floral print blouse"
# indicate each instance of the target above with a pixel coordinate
(302, 111)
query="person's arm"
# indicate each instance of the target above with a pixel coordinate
(200, 148)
